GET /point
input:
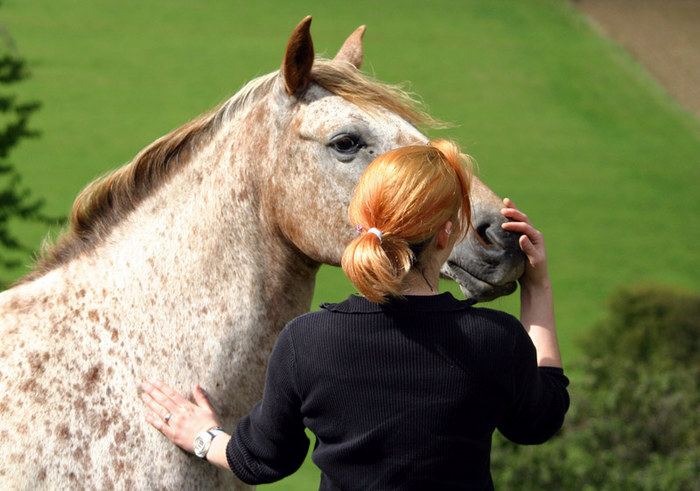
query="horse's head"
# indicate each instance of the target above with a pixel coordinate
(332, 122)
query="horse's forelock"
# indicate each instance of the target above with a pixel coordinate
(345, 80)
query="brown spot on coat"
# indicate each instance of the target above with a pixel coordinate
(64, 432)
(119, 438)
(30, 386)
(78, 454)
(37, 360)
(91, 378)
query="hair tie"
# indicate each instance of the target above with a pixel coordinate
(376, 232)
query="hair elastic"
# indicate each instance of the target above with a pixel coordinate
(376, 232)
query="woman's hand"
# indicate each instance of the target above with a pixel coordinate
(531, 243)
(176, 417)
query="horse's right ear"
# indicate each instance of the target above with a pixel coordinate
(298, 59)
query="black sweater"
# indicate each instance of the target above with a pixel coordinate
(402, 396)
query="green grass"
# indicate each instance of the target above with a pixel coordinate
(560, 120)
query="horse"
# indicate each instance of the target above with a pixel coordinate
(186, 262)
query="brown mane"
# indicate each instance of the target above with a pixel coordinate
(107, 200)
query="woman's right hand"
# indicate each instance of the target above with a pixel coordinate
(178, 419)
(531, 243)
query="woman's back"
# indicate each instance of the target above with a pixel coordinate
(407, 395)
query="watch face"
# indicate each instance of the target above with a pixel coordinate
(201, 444)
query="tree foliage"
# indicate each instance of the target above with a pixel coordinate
(16, 202)
(634, 421)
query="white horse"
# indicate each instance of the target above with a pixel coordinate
(187, 262)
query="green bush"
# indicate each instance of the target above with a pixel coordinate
(634, 421)
(648, 325)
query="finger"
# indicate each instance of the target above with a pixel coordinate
(158, 423)
(535, 255)
(515, 215)
(201, 399)
(170, 393)
(527, 246)
(160, 398)
(150, 401)
(161, 425)
(153, 404)
(158, 413)
(519, 227)
(509, 203)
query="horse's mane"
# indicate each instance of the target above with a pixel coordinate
(108, 199)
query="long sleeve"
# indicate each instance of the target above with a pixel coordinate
(270, 443)
(540, 399)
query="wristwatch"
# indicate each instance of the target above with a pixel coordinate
(203, 440)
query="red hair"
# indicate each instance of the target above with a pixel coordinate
(407, 194)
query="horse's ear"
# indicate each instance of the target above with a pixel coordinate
(298, 58)
(351, 50)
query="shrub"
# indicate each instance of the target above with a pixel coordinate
(634, 421)
(649, 325)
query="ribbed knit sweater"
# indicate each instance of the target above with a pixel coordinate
(400, 396)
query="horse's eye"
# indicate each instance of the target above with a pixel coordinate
(346, 144)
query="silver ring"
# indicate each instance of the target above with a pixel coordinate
(167, 417)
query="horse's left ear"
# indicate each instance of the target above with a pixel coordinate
(298, 58)
(351, 50)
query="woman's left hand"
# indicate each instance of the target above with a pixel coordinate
(531, 243)
(176, 417)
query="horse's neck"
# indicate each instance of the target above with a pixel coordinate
(200, 243)
(194, 283)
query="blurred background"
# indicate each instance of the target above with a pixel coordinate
(569, 108)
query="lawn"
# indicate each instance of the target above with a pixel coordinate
(560, 120)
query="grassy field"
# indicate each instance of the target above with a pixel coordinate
(560, 120)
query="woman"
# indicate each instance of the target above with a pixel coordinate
(403, 386)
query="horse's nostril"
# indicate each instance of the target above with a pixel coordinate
(482, 231)
(493, 237)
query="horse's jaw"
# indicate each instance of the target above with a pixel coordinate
(473, 280)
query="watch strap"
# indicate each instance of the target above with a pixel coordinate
(213, 432)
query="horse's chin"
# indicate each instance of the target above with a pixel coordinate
(475, 287)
